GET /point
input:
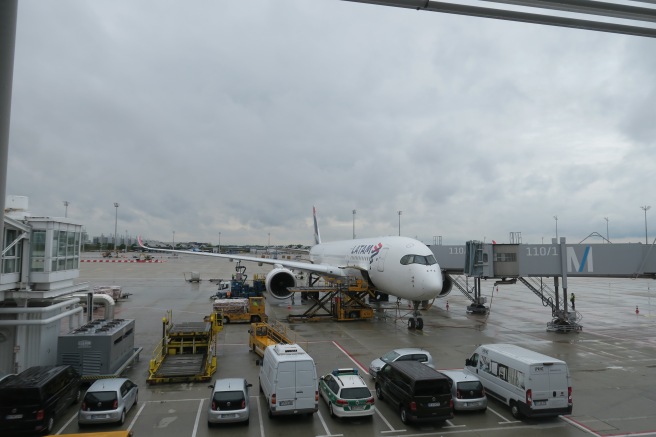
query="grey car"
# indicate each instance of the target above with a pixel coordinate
(467, 391)
(402, 354)
(108, 401)
(229, 401)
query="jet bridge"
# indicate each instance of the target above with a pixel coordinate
(509, 263)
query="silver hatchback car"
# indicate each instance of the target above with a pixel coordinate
(229, 401)
(402, 354)
(467, 391)
(108, 401)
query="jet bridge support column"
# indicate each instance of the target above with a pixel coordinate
(478, 305)
(563, 320)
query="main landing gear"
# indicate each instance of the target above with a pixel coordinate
(416, 322)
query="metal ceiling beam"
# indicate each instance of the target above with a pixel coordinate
(526, 17)
(588, 7)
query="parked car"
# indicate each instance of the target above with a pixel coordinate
(403, 354)
(4, 376)
(467, 390)
(417, 392)
(32, 400)
(108, 401)
(229, 401)
(346, 394)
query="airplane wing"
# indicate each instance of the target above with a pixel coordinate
(292, 265)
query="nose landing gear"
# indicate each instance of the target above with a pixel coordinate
(415, 321)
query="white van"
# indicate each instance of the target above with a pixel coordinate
(288, 379)
(532, 384)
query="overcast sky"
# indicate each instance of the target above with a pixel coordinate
(235, 117)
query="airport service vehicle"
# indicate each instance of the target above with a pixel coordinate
(229, 401)
(288, 380)
(31, 400)
(187, 351)
(239, 289)
(531, 383)
(251, 310)
(346, 394)
(263, 335)
(418, 392)
(402, 354)
(398, 266)
(108, 401)
(467, 391)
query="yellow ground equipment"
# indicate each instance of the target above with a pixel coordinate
(262, 335)
(340, 302)
(241, 310)
(187, 351)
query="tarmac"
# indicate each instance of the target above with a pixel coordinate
(612, 360)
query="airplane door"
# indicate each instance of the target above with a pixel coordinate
(381, 259)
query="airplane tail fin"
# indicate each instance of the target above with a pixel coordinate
(317, 236)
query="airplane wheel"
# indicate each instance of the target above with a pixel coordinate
(420, 323)
(411, 323)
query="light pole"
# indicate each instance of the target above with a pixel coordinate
(66, 208)
(645, 209)
(556, 218)
(400, 223)
(354, 224)
(173, 243)
(116, 227)
(219, 242)
(607, 239)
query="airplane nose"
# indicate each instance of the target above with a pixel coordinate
(432, 283)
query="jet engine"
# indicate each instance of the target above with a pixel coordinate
(277, 282)
(447, 284)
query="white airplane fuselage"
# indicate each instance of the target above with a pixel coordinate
(385, 262)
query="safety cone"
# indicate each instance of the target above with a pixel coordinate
(637, 310)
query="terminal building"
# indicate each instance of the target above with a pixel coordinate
(40, 264)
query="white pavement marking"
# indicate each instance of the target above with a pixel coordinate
(505, 421)
(136, 416)
(200, 409)
(259, 414)
(325, 427)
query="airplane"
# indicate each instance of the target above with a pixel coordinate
(398, 266)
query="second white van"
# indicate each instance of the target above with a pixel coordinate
(531, 383)
(288, 380)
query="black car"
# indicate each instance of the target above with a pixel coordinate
(418, 392)
(31, 400)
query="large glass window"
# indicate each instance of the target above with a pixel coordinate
(65, 250)
(11, 259)
(38, 248)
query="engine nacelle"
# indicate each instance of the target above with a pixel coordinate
(277, 282)
(447, 285)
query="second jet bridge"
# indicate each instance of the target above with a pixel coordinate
(525, 262)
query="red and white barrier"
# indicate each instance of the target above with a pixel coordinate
(121, 261)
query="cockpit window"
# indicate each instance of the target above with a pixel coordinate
(427, 260)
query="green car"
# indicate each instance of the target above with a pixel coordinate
(346, 394)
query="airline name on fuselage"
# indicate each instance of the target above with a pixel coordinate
(366, 248)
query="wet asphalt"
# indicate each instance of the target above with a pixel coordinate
(612, 360)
